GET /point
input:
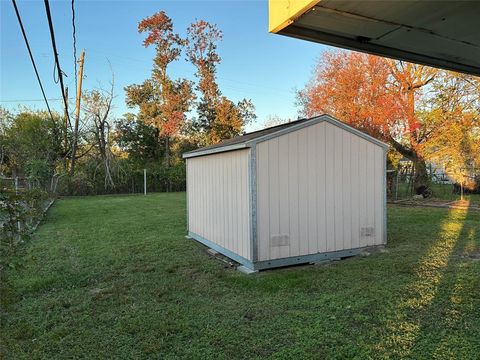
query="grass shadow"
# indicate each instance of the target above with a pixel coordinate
(455, 310)
(416, 325)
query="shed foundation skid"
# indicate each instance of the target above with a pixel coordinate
(249, 267)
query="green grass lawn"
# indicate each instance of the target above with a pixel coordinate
(114, 277)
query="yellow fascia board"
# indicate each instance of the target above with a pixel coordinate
(282, 13)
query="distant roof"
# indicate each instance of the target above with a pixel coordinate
(243, 141)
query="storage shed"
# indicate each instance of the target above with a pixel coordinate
(300, 192)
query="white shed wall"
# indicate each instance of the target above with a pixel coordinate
(218, 199)
(317, 188)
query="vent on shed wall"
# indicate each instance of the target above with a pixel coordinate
(367, 231)
(279, 240)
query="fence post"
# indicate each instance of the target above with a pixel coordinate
(144, 181)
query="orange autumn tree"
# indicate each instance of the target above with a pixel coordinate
(377, 95)
(163, 102)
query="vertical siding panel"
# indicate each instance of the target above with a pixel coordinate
(312, 191)
(240, 206)
(241, 238)
(378, 194)
(218, 202)
(231, 204)
(190, 183)
(321, 199)
(293, 178)
(330, 186)
(189, 198)
(303, 195)
(355, 187)
(236, 204)
(246, 191)
(371, 190)
(206, 208)
(208, 196)
(283, 195)
(239, 221)
(194, 210)
(243, 198)
(221, 201)
(363, 190)
(226, 215)
(201, 214)
(235, 221)
(231, 199)
(206, 193)
(263, 211)
(338, 190)
(274, 195)
(347, 190)
(246, 204)
(217, 186)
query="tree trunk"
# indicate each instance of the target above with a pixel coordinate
(167, 152)
(420, 180)
(167, 163)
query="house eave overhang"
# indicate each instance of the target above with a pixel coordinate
(434, 33)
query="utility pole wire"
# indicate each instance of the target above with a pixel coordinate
(33, 100)
(74, 42)
(31, 57)
(55, 53)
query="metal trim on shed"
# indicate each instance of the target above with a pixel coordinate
(314, 121)
(214, 150)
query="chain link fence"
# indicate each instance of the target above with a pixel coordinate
(400, 183)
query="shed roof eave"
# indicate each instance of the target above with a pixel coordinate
(286, 130)
(215, 150)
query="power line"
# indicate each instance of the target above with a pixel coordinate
(55, 53)
(31, 56)
(184, 70)
(74, 41)
(33, 100)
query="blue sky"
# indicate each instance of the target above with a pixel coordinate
(264, 67)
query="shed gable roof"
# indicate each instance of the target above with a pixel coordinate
(254, 137)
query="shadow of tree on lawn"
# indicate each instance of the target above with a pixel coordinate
(435, 304)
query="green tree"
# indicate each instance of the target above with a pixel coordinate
(141, 141)
(456, 144)
(32, 144)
